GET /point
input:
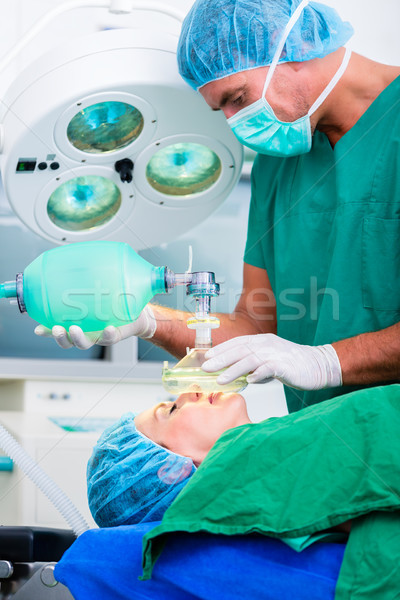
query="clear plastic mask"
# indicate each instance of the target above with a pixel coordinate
(187, 372)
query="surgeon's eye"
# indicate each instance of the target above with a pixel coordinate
(173, 407)
(239, 100)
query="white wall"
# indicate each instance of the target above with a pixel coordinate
(376, 26)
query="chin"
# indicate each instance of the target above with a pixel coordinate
(237, 397)
(238, 403)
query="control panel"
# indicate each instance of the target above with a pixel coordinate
(29, 165)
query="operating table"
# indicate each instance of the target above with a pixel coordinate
(27, 559)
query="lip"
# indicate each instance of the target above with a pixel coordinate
(213, 397)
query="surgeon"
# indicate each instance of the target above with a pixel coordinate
(320, 304)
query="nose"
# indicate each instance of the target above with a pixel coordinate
(229, 112)
(192, 395)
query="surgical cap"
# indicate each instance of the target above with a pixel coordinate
(222, 37)
(130, 478)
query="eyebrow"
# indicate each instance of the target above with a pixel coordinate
(156, 417)
(226, 96)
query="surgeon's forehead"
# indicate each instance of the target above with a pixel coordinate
(218, 93)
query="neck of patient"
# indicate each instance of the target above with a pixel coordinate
(198, 454)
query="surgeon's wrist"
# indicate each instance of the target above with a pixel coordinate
(332, 370)
(149, 323)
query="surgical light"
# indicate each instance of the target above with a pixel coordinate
(105, 127)
(84, 203)
(104, 140)
(182, 169)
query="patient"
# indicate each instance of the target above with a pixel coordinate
(140, 464)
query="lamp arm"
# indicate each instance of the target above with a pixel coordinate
(127, 6)
(44, 21)
(114, 6)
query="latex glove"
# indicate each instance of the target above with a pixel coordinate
(144, 327)
(267, 356)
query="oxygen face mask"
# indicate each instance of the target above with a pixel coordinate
(188, 372)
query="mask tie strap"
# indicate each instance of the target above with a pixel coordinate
(289, 26)
(332, 83)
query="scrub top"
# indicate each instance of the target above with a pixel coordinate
(326, 227)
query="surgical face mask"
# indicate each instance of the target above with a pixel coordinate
(257, 127)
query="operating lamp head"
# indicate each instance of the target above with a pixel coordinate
(95, 150)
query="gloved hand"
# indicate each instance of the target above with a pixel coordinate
(267, 356)
(144, 327)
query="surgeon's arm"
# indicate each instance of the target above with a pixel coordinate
(370, 357)
(254, 313)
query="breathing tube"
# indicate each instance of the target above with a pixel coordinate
(60, 500)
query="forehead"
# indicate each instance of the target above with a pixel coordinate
(216, 92)
(146, 423)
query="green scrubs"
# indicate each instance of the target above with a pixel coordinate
(326, 227)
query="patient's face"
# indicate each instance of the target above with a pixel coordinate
(192, 424)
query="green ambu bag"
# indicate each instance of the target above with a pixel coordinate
(303, 473)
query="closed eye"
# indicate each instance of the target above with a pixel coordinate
(237, 101)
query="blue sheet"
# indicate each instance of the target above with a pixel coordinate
(105, 564)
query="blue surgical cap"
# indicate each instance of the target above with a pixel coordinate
(130, 478)
(222, 37)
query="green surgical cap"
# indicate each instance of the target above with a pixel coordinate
(222, 37)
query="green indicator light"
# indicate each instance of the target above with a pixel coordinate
(25, 165)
